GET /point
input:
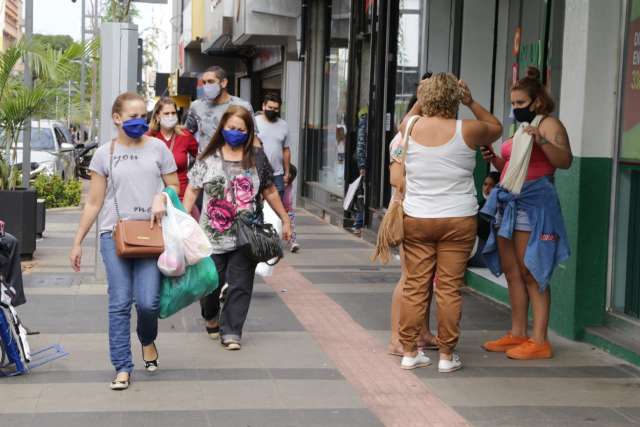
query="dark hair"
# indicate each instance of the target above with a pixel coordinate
(217, 141)
(273, 97)
(118, 104)
(220, 72)
(293, 173)
(494, 176)
(531, 84)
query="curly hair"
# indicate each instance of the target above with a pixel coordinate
(440, 96)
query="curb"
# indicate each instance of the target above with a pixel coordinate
(66, 209)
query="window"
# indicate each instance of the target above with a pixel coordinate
(41, 139)
(625, 298)
(410, 58)
(335, 99)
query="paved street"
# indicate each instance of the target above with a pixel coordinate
(313, 355)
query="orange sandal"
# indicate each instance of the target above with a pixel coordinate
(505, 343)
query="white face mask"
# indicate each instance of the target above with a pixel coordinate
(168, 122)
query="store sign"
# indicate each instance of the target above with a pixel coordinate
(630, 149)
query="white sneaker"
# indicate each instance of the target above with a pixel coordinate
(295, 248)
(452, 365)
(419, 361)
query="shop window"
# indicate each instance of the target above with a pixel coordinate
(626, 287)
(335, 99)
(410, 58)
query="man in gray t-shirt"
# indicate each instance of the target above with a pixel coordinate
(274, 134)
(209, 110)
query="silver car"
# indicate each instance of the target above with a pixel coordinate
(52, 151)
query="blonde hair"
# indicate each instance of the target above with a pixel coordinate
(118, 104)
(440, 96)
(154, 125)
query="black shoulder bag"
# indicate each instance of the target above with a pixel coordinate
(260, 241)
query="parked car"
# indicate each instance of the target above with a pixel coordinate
(52, 151)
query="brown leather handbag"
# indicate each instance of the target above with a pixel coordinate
(134, 238)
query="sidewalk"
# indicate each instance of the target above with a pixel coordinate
(313, 355)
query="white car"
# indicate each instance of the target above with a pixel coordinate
(52, 151)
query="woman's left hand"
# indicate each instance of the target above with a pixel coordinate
(286, 230)
(534, 132)
(158, 209)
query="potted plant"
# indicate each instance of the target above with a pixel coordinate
(18, 104)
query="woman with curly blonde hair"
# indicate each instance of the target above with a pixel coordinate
(440, 206)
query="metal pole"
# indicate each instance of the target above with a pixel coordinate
(28, 82)
(83, 66)
(69, 107)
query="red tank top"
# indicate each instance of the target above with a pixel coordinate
(539, 165)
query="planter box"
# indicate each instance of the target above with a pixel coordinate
(18, 211)
(41, 217)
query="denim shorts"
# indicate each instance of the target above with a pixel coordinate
(522, 220)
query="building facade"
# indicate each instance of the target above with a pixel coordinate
(348, 68)
(11, 22)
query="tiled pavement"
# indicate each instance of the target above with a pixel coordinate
(287, 375)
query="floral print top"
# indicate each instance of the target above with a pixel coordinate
(228, 190)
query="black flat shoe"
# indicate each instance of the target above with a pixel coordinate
(151, 366)
(214, 333)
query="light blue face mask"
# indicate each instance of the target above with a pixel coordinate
(211, 91)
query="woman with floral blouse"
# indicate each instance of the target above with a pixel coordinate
(235, 176)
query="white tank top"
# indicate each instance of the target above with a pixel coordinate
(440, 179)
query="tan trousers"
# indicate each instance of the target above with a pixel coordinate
(441, 245)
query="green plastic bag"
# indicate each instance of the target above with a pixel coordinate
(199, 280)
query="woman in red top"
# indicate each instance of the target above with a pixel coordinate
(164, 126)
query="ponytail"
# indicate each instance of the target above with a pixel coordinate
(531, 84)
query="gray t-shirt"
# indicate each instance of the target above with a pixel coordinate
(209, 115)
(275, 138)
(137, 178)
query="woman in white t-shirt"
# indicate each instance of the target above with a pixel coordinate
(127, 178)
(440, 207)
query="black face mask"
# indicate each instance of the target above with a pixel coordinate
(271, 115)
(524, 115)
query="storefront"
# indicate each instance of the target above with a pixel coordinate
(624, 299)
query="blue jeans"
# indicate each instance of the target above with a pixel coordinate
(130, 279)
(278, 181)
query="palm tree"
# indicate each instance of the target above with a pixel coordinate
(18, 103)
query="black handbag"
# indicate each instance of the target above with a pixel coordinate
(261, 241)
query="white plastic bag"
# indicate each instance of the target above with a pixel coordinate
(270, 217)
(195, 243)
(171, 262)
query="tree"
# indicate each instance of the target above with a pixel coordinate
(57, 42)
(18, 103)
(119, 11)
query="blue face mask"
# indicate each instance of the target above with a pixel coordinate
(135, 128)
(234, 138)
